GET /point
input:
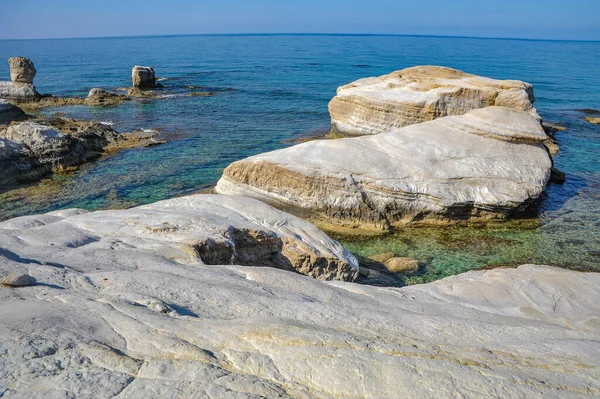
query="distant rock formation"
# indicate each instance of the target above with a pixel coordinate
(99, 96)
(488, 163)
(420, 94)
(22, 70)
(143, 77)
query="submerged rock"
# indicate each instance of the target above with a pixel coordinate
(595, 121)
(420, 94)
(557, 176)
(488, 163)
(402, 265)
(22, 70)
(143, 77)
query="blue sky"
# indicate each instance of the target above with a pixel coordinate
(539, 19)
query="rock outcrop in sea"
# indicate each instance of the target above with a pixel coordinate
(35, 148)
(21, 85)
(22, 70)
(143, 77)
(135, 304)
(97, 96)
(419, 94)
(488, 163)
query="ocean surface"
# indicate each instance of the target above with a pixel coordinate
(272, 90)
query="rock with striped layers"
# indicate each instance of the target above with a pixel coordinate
(419, 94)
(488, 163)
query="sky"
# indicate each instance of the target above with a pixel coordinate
(534, 19)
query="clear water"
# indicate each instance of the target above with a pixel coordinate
(274, 89)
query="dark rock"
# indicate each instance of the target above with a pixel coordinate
(16, 280)
(556, 176)
(10, 112)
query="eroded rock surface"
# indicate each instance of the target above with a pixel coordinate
(120, 310)
(30, 150)
(420, 94)
(143, 77)
(22, 70)
(19, 91)
(98, 96)
(488, 163)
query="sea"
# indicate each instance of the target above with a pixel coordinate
(271, 91)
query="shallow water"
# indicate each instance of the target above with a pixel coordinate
(274, 89)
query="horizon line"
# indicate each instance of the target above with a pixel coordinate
(305, 34)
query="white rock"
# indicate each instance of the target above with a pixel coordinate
(18, 91)
(420, 94)
(95, 325)
(488, 163)
(210, 229)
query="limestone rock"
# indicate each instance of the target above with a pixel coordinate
(17, 280)
(22, 70)
(122, 313)
(402, 265)
(488, 163)
(18, 91)
(383, 257)
(552, 146)
(143, 77)
(30, 150)
(45, 143)
(10, 112)
(99, 96)
(420, 94)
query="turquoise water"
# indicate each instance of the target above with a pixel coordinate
(274, 89)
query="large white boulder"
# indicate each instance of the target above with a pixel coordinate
(420, 94)
(198, 229)
(488, 163)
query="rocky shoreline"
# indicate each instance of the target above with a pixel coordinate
(138, 303)
(223, 296)
(39, 146)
